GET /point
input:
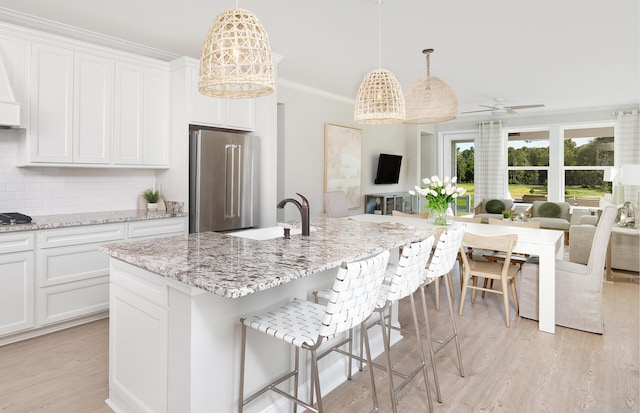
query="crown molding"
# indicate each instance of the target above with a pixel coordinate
(60, 29)
(314, 91)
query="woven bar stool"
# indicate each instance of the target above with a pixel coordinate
(305, 325)
(441, 264)
(403, 280)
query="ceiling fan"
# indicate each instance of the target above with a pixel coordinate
(500, 107)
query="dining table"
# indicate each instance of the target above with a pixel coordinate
(546, 244)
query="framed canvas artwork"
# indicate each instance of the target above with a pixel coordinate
(343, 162)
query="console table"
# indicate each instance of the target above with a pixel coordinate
(384, 203)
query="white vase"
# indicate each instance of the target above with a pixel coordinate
(152, 206)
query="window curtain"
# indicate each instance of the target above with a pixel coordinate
(490, 167)
(627, 149)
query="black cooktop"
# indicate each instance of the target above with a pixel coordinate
(8, 218)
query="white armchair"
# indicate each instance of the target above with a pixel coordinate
(578, 286)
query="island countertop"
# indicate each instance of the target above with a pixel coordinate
(233, 267)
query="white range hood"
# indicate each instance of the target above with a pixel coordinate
(9, 108)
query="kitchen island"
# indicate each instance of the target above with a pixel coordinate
(175, 305)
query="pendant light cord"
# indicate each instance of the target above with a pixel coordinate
(379, 30)
(428, 53)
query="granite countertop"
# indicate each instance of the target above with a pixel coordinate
(233, 267)
(85, 218)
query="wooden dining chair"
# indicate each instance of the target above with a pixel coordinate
(519, 259)
(503, 271)
(462, 218)
(395, 213)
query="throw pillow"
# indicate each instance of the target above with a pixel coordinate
(494, 206)
(549, 210)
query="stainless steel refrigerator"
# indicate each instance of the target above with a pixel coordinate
(223, 180)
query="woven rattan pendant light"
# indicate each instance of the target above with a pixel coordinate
(430, 99)
(236, 57)
(379, 98)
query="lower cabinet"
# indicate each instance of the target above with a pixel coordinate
(63, 280)
(16, 292)
(138, 341)
(73, 275)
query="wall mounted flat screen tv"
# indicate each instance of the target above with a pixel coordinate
(388, 169)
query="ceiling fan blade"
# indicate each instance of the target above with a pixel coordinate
(476, 111)
(525, 106)
(510, 111)
(490, 107)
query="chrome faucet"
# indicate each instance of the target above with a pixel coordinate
(302, 207)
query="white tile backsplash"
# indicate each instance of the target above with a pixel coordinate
(58, 190)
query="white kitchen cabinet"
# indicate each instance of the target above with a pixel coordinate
(71, 106)
(56, 278)
(129, 127)
(50, 132)
(141, 116)
(155, 150)
(73, 275)
(238, 114)
(139, 330)
(92, 108)
(16, 283)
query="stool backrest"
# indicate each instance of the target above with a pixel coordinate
(408, 275)
(446, 252)
(354, 294)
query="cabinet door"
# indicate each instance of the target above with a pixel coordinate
(155, 148)
(93, 109)
(51, 104)
(12, 54)
(16, 292)
(240, 114)
(203, 110)
(128, 129)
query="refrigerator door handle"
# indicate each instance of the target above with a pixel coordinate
(233, 165)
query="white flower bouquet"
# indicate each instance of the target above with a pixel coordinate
(439, 195)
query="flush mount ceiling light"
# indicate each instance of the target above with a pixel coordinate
(430, 99)
(380, 98)
(236, 57)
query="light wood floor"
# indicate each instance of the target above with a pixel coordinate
(517, 369)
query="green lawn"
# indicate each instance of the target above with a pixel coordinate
(518, 190)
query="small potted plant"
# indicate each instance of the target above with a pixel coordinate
(151, 196)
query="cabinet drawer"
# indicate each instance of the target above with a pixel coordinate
(15, 242)
(72, 263)
(70, 300)
(81, 235)
(156, 227)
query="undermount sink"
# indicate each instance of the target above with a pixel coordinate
(267, 233)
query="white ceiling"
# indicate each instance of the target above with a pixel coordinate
(566, 54)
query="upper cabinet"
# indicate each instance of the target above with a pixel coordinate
(238, 114)
(88, 105)
(141, 116)
(71, 106)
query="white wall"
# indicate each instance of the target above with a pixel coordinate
(45, 191)
(305, 114)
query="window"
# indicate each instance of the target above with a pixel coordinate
(459, 161)
(528, 165)
(586, 154)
